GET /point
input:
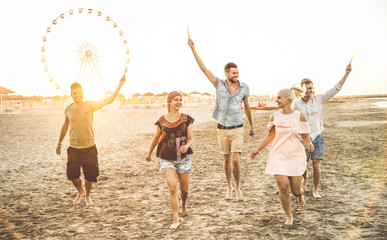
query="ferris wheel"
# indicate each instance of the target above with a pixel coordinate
(85, 46)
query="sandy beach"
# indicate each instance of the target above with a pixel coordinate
(131, 196)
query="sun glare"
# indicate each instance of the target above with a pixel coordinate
(93, 89)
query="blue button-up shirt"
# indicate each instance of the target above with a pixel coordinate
(228, 110)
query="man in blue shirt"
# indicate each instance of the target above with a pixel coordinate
(230, 94)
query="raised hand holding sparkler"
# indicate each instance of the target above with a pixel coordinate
(349, 67)
(123, 78)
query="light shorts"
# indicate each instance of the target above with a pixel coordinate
(230, 140)
(319, 149)
(181, 166)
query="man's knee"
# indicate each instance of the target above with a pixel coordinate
(316, 164)
(76, 180)
(228, 161)
(235, 157)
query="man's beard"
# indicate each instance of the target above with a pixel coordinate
(77, 100)
(307, 97)
(231, 80)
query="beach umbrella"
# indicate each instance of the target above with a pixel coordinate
(148, 94)
(4, 91)
(183, 94)
(195, 93)
(107, 93)
(164, 94)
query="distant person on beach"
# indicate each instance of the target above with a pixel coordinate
(287, 155)
(82, 151)
(311, 106)
(230, 94)
(174, 137)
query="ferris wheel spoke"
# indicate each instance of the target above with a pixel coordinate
(109, 60)
(73, 26)
(60, 46)
(105, 38)
(113, 63)
(97, 27)
(98, 74)
(86, 29)
(81, 70)
(64, 73)
(67, 36)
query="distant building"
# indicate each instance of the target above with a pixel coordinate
(206, 96)
(148, 97)
(162, 97)
(195, 96)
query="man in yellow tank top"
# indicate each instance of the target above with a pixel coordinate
(82, 151)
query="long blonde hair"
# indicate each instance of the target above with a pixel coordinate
(293, 93)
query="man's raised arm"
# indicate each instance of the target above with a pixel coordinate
(199, 61)
(111, 98)
(347, 72)
(332, 92)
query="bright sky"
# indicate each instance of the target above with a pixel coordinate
(274, 43)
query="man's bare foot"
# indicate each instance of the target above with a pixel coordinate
(229, 194)
(88, 201)
(289, 221)
(316, 195)
(78, 198)
(184, 211)
(174, 225)
(302, 203)
(239, 196)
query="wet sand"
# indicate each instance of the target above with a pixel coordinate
(131, 196)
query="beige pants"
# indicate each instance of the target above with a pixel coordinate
(230, 140)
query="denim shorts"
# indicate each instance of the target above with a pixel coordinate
(319, 149)
(181, 166)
